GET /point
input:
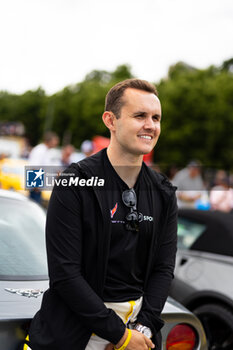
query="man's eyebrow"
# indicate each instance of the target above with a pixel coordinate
(144, 114)
(139, 113)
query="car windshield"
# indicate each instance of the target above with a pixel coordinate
(22, 240)
(188, 232)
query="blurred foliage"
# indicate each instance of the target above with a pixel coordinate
(197, 108)
(197, 115)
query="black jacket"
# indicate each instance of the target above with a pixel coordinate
(78, 239)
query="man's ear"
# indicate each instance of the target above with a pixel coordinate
(109, 120)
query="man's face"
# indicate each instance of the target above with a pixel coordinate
(138, 128)
(53, 142)
(194, 171)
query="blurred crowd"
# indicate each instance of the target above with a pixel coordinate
(197, 186)
(42, 153)
(16, 153)
(200, 189)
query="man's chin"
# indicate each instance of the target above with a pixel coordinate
(139, 151)
(142, 152)
(146, 150)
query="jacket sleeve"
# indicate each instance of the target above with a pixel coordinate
(64, 251)
(157, 288)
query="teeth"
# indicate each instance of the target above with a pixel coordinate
(146, 137)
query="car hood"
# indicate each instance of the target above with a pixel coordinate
(172, 306)
(13, 302)
(206, 255)
(14, 305)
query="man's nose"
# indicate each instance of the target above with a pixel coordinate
(149, 124)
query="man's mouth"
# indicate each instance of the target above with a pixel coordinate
(147, 137)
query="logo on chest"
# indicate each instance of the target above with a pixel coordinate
(113, 211)
(141, 217)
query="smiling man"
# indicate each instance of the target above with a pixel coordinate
(111, 250)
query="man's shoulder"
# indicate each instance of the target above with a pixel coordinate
(161, 181)
(39, 147)
(37, 153)
(181, 175)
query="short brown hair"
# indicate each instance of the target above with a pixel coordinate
(49, 136)
(114, 101)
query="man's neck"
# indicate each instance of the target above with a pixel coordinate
(126, 165)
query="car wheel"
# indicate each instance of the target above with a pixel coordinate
(217, 321)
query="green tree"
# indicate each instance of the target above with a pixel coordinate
(27, 108)
(83, 104)
(198, 116)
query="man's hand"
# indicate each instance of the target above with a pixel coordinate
(138, 341)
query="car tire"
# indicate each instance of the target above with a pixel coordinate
(217, 321)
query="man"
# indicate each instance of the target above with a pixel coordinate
(190, 185)
(221, 194)
(111, 250)
(66, 155)
(38, 154)
(39, 157)
(87, 148)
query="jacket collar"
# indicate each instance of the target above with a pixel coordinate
(94, 166)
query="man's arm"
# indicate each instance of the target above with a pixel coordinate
(64, 235)
(156, 291)
(188, 197)
(137, 341)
